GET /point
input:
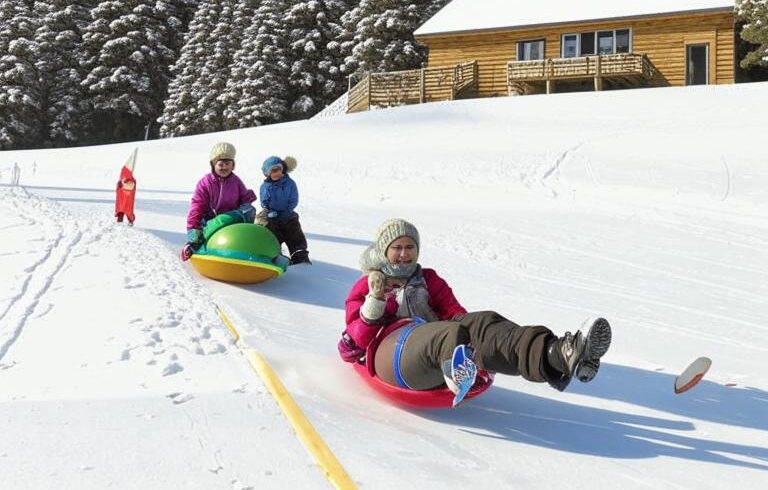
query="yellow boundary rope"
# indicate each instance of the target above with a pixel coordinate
(228, 324)
(334, 472)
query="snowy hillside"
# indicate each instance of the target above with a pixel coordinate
(646, 206)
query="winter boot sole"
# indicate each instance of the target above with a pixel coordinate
(598, 340)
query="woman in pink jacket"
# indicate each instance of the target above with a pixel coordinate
(414, 356)
(220, 198)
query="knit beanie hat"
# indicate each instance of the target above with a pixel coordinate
(391, 230)
(222, 151)
(374, 257)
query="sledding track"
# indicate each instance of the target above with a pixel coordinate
(310, 438)
(148, 348)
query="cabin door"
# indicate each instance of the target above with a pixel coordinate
(697, 64)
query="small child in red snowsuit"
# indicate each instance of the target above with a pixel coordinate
(125, 196)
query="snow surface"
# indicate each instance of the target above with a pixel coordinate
(646, 206)
(474, 15)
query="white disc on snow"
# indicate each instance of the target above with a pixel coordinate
(692, 374)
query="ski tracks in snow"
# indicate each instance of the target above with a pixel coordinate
(668, 279)
(539, 173)
(49, 257)
(180, 320)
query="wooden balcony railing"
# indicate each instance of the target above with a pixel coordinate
(624, 66)
(387, 89)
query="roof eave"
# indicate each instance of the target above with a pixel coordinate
(571, 22)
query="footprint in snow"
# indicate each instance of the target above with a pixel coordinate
(241, 389)
(179, 398)
(172, 368)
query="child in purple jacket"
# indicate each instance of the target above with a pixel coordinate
(220, 198)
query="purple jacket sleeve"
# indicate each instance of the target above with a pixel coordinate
(199, 205)
(246, 195)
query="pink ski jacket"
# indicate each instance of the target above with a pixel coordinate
(441, 301)
(215, 195)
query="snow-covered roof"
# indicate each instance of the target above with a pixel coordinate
(480, 15)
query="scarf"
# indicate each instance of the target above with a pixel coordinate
(413, 298)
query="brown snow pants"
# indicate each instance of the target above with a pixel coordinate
(500, 345)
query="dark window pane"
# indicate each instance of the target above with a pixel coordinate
(587, 43)
(697, 65)
(605, 42)
(622, 41)
(569, 46)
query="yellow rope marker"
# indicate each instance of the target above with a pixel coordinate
(228, 324)
(308, 435)
(334, 472)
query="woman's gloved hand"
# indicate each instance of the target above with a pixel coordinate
(348, 350)
(376, 282)
(374, 305)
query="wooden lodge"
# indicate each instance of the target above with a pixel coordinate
(487, 48)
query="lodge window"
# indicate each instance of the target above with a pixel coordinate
(600, 42)
(570, 45)
(587, 43)
(622, 40)
(605, 42)
(530, 50)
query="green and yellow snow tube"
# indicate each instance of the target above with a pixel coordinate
(242, 253)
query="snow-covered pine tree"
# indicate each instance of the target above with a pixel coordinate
(754, 13)
(379, 34)
(59, 64)
(130, 47)
(430, 8)
(201, 72)
(313, 28)
(20, 97)
(257, 91)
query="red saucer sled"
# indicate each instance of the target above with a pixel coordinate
(436, 398)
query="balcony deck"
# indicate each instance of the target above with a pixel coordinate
(624, 68)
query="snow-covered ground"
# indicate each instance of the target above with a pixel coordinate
(647, 207)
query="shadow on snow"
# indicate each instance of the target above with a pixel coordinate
(530, 419)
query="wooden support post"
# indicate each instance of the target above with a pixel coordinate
(598, 75)
(368, 89)
(509, 83)
(422, 95)
(548, 74)
(349, 89)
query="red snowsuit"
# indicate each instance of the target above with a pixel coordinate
(125, 195)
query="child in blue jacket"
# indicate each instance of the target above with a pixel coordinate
(279, 197)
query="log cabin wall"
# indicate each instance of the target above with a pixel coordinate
(662, 38)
